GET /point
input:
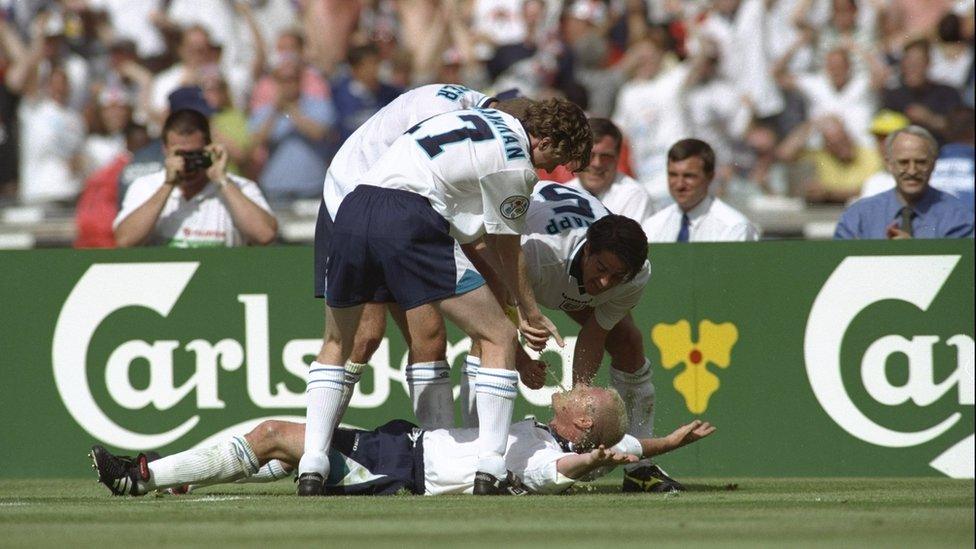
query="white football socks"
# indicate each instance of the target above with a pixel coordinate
(227, 461)
(354, 371)
(496, 391)
(269, 472)
(637, 391)
(429, 384)
(468, 396)
(324, 394)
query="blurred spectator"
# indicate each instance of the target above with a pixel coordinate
(884, 124)
(954, 169)
(11, 48)
(618, 192)
(133, 20)
(358, 95)
(838, 91)
(835, 171)
(696, 216)
(228, 124)
(648, 115)
(189, 204)
(737, 27)
(197, 56)
(106, 137)
(926, 103)
(952, 56)
(297, 131)
(757, 168)
(290, 46)
(913, 209)
(57, 55)
(717, 112)
(51, 133)
(99, 200)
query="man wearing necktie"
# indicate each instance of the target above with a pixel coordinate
(695, 215)
(913, 209)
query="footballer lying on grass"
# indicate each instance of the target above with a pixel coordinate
(399, 457)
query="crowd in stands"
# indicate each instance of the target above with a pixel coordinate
(795, 97)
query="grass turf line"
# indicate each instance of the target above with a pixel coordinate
(928, 512)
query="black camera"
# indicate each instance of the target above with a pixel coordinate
(194, 161)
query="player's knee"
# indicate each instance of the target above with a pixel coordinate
(267, 431)
(364, 346)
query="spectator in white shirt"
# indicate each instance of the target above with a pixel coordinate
(696, 216)
(620, 193)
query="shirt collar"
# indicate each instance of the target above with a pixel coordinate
(575, 267)
(563, 443)
(893, 206)
(698, 211)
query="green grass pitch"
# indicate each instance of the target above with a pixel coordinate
(716, 512)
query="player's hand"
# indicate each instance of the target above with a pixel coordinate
(537, 329)
(218, 155)
(601, 457)
(690, 432)
(174, 169)
(531, 372)
(895, 233)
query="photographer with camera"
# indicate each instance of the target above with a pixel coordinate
(193, 202)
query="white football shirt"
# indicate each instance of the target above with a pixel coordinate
(712, 220)
(365, 146)
(557, 222)
(451, 459)
(472, 165)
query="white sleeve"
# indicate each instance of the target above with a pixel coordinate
(609, 314)
(541, 475)
(474, 100)
(629, 445)
(137, 194)
(743, 232)
(505, 198)
(251, 190)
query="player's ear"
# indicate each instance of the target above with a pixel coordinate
(583, 423)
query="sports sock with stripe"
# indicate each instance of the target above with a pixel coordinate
(496, 391)
(324, 394)
(468, 396)
(430, 389)
(226, 461)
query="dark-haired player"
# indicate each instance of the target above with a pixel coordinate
(592, 265)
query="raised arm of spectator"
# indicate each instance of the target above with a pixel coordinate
(877, 69)
(143, 79)
(427, 46)
(793, 144)
(260, 46)
(256, 225)
(781, 68)
(22, 77)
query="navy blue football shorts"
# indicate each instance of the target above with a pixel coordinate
(391, 245)
(383, 461)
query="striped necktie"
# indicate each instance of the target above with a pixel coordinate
(685, 224)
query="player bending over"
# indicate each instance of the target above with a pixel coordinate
(592, 265)
(397, 456)
(449, 179)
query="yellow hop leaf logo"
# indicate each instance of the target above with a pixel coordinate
(715, 342)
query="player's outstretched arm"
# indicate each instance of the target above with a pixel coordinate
(578, 465)
(682, 436)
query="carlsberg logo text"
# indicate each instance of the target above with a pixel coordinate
(106, 288)
(855, 284)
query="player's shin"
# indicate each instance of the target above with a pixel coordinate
(637, 391)
(324, 394)
(430, 389)
(228, 461)
(271, 471)
(496, 391)
(468, 396)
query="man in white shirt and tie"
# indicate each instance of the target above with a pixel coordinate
(696, 216)
(620, 193)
